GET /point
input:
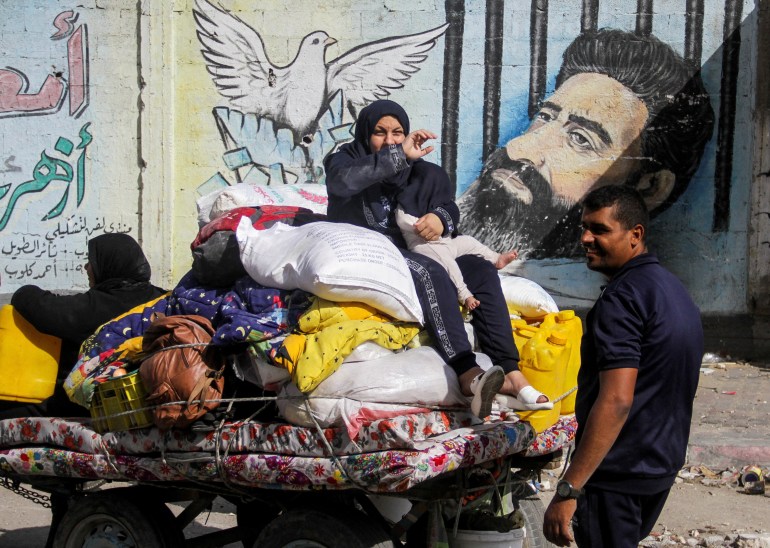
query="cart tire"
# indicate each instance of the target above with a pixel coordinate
(252, 518)
(334, 527)
(532, 510)
(109, 518)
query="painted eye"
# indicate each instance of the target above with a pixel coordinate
(580, 140)
(540, 119)
(316, 41)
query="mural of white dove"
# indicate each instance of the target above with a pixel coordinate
(296, 95)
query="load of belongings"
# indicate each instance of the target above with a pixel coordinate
(321, 320)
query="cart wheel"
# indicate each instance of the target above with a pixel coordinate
(107, 518)
(333, 527)
(532, 510)
(252, 517)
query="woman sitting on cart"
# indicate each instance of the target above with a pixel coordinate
(119, 280)
(363, 181)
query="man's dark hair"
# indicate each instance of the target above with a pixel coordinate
(630, 208)
(680, 118)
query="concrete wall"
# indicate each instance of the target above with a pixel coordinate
(68, 137)
(155, 128)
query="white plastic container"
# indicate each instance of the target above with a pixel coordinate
(487, 539)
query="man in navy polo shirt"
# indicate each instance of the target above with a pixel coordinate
(640, 362)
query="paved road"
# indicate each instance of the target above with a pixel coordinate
(731, 416)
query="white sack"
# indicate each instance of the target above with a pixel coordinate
(390, 386)
(526, 298)
(309, 195)
(336, 261)
(368, 350)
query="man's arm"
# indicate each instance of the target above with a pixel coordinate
(607, 417)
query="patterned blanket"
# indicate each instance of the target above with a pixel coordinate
(390, 455)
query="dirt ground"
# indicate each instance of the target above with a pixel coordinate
(714, 509)
(731, 409)
(704, 508)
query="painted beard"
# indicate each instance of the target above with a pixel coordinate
(511, 206)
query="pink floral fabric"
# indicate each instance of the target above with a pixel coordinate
(389, 455)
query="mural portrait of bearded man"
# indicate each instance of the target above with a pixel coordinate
(627, 110)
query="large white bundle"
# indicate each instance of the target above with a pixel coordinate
(336, 261)
(389, 386)
(366, 351)
(526, 298)
(309, 195)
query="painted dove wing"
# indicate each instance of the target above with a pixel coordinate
(291, 96)
(236, 59)
(370, 71)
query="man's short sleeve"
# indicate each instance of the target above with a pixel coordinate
(617, 331)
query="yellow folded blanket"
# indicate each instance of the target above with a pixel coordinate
(323, 313)
(329, 333)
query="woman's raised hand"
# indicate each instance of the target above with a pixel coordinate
(413, 144)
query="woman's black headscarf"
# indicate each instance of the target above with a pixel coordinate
(117, 258)
(373, 113)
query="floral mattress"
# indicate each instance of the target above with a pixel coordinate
(388, 455)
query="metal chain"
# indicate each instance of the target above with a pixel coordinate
(34, 496)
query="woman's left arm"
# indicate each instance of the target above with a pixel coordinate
(438, 223)
(442, 205)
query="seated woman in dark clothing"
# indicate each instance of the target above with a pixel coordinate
(119, 279)
(363, 180)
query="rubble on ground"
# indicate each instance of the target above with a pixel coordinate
(731, 477)
(717, 535)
